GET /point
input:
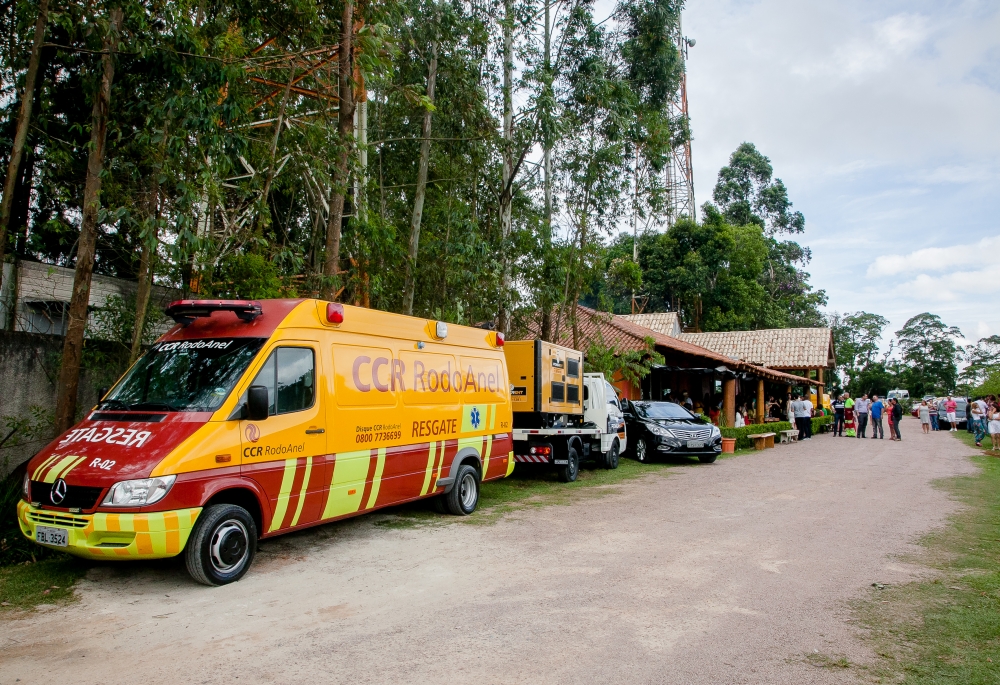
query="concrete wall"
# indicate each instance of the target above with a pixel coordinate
(29, 369)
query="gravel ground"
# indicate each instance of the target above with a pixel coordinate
(736, 572)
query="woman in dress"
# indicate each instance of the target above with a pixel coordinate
(890, 421)
(994, 426)
(849, 430)
(924, 413)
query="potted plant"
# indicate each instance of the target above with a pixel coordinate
(728, 444)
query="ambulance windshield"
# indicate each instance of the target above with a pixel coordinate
(184, 375)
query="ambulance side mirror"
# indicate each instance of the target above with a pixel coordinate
(257, 403)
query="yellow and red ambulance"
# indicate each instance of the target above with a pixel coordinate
(250, 419)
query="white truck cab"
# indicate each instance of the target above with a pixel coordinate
(602, 408)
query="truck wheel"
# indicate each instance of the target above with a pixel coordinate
(611, 458)
(464, 496)
(568, 473)
(641, 451)
(708, 458)
(222, 545)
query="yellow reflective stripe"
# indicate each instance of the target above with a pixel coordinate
(440, 464)
(486, 455)
(70, 467)
(493, 415)
(302, 493)
(41, 467)
(430, 468)
(286, 488)
(53, 471)
(510, 463)
(347, 483)
(377, 479)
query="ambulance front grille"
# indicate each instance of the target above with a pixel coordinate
(77, 496)
(51, 519)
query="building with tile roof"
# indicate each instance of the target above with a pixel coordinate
(666, 323)
(777, 348)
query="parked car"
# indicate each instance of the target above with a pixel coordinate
(661, 428)
(960, 405)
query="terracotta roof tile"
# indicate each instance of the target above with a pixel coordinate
(783, 348)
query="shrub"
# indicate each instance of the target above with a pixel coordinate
(743, 440)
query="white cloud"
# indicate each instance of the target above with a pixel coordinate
(935, 259)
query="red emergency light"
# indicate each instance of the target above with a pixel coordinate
(335, 313)
(186, 311)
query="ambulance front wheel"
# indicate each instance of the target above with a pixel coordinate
(464, 497)
(222, 545)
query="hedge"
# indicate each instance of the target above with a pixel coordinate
(743, 440)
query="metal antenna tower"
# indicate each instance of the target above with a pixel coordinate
(680, 175)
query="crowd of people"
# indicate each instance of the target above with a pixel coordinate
(851, 418)
(982, 418)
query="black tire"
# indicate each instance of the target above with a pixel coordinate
(641, 451)
(463, 498)
(439, 503)
(707, 458)
(222, 545)
(611, 458)
(569, 472)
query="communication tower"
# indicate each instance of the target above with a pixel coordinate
(680, 175)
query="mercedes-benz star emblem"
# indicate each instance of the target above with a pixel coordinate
(58, 492)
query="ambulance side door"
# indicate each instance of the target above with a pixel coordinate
(286, 453)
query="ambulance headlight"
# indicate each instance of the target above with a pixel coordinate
(138, 493)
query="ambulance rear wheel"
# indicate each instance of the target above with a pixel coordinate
(611, 458)
(463, 498)
(568, 473)
(222, 545)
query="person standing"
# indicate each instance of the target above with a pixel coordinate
(849, 422)
(838, 415)
(994, 426)
(975, 417)
(876, 413)
(862, 407)
(950, 407)
(897, 417)
(790, 407)
(924, 412)
(807, 412)
(888, 418)
(968, 423)
(932, 405)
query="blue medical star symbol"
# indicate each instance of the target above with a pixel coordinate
(475, 418)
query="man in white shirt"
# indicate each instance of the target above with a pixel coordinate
(803, 417)
(862, 407)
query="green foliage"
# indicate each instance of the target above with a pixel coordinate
(856, 341)
(115, 321)
(982, 361)
(617, 365)
(247, 276)
(746, 194)
(20, 431)
(990, 386)
(931, 354)
(743, 440)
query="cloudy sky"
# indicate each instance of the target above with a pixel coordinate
(883, 120)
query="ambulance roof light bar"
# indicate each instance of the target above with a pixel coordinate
(185, 312)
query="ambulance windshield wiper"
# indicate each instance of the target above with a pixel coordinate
(154, 406)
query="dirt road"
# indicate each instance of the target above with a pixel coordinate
(728, 573)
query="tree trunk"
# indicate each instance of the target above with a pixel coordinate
(503, 319)
(69, 373)
(345, 125)
(421, 192)
(21, 133)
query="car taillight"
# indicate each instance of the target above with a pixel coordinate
(335, 313)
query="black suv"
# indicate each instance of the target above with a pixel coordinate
(666, 428)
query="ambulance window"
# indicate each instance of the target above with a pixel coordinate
(296, 374)
(289, 375)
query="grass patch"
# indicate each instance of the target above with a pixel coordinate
(826, 661)
(947, 629)
(26, 585)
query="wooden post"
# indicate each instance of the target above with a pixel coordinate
(819, 388)
(760, 400)
(729, 401)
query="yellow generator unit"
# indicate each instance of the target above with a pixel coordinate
(546, 382)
